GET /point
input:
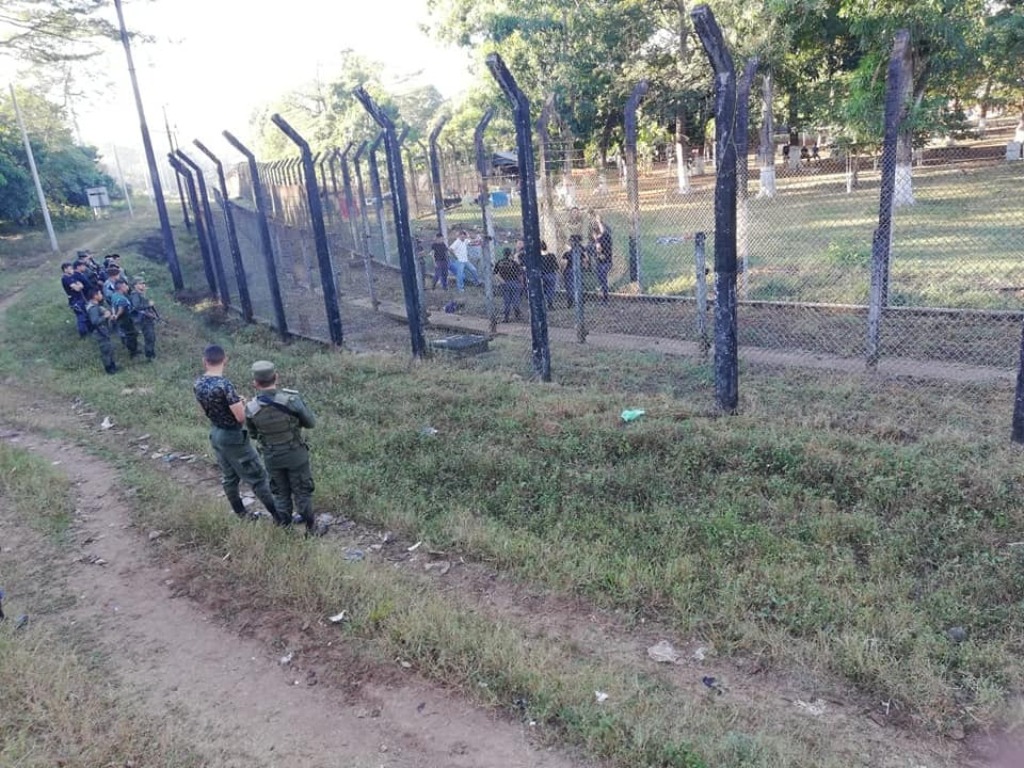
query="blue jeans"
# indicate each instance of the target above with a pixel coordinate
(550, 280)
(603, 268)
(461, 268)
(512, 293)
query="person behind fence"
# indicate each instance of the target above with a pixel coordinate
(74, 287)
(548, 273)
(511, 273)
(121, 309)
(439, 249)
(276, 418)
(602, 256)
(144, 315)
(99, 316)
(460, 248)
(568, 272)
(235, 452)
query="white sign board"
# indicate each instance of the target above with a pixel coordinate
(98, 197)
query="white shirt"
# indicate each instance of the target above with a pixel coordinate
(460, 248)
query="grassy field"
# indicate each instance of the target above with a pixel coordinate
(957, 247)
(838, 525)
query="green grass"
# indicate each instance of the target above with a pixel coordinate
(837, 525)
(60, 704)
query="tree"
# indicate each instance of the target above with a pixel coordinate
(53, 31)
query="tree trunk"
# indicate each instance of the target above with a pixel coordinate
(549, 225)
(903, 193)
(766, 150)
(682, 154)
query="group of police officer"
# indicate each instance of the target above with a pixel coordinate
(105, 301)
(274, 418)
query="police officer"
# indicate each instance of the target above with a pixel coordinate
(235, 453)
(144, 315)
(98, 314)
(121, 308)
(275, 418)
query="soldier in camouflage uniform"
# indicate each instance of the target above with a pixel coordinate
(98, 315)
(275, 418)
(144, 314)
(121, 307)
(235, 453)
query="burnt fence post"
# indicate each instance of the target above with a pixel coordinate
(633, 184)
(483, 169)
(400, 208)
(530, 216)
(726, 353)
(435, 177)
(260, 199)
(229, 224)
(204, 246)
(211, 231)
(378, 197)
(316, 215)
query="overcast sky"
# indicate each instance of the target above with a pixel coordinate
(217, 60)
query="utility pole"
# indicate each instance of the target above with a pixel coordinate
(35, 173)
(154, 176)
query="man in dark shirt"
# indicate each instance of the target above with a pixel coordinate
(602, 256)
(548, 273)
(511, 273)
(439, 248)
(75, 290)
(235, 453)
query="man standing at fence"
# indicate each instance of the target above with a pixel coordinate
(460, 248)
(276, 418)
(235, 453)
(511, 273)
(439, 249)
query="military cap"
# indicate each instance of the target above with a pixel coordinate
(263, 371)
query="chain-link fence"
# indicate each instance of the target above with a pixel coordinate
(628, 243)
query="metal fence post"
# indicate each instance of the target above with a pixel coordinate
(204, 246)
(435, 177)
(211, 231)
(576, 259)
(882, 238)
(332, 158)
(726, 362)
(531, 223)
(260, 199)
(229, 222)
(633, 184)
(378, 196)
(483, 169)
(316, 215)
(421, 282)
(400, 207)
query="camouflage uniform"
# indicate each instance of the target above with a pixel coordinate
(98, 315)
(275, 419)
(122, 308)
(144, 316)
(235, 453)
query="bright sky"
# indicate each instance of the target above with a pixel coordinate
(215, 61)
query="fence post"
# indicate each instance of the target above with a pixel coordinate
(260, 199)
(204, 246)
(531, 223)
(726, 363)
(882, 239)
(400, 208)
(1017, 431)
(229, 221)
(633, 185)
(700, 259)
(378, 196)
(211, 232)
(483, 169)
(435, 177)
(324, 157)
(742, 170)
(316, 215)
(576, 259)
(421, 282)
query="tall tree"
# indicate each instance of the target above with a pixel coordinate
(53, 31)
